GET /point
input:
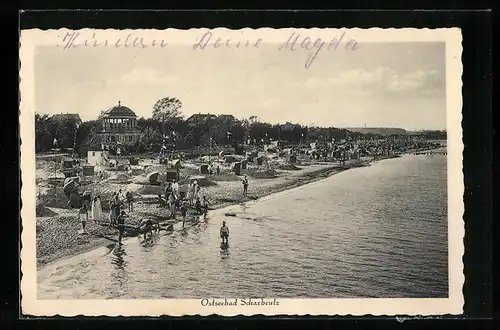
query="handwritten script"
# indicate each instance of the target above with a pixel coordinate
(207, 40)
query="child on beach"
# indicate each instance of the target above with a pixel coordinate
(184, 208)
(96, 208)
(205, 206)
(190, 192)
(121, 226)
(224, 232)
(121, 197)
(196, 190)
(172, 202)
(83, 212)
(168, 190)
(245, 185)
(130, 201)
(198, 206)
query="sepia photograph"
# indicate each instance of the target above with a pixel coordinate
(240, 171)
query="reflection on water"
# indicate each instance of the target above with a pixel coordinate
(117, 257)
(224, 251)
(379, 231)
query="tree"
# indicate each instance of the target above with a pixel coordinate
(87, 137)
(165, 110)
(44, 132)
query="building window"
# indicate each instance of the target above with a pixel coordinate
(130, 138)
(93, 153)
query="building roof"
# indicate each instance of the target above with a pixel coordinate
(201, 116)
(228, 117)
(66, 116)
(119, 111)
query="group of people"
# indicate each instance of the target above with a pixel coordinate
(211, 170)
(116, 203)
(174, 201)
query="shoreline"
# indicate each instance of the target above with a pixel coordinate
(52, 250)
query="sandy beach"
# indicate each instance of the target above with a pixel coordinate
(57, 227)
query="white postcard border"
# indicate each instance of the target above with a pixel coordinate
(181, 307)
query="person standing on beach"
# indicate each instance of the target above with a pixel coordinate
(84, 212)
(112, 209)
(172, 202)
(116, 208)
(175, 188)
(224, 232)
(120, 195)
(189, 195)
(96, 208)
(168, 190)
(130, 201)
(184, 208)
(198, 206)
(245, 186)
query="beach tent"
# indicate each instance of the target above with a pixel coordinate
(88, 170)
(230, 159)
(236, 167)
(153, 177)
(204, 169)
(176, 164)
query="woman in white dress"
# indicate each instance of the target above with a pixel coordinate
(175, 188)
(196, 190)
(189, 195)
(96, 208)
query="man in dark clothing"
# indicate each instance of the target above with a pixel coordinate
(148, 226)
(121, 226)
(83, 213)
(168, 190)
(224, 232)
(205, 206)
(198, 206)
(184, 208)
(130, 201)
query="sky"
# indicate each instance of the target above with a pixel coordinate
(379, 85)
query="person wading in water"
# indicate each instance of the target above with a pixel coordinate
(224, 232)
(148, 226)
(184, 208)
(121, 226)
